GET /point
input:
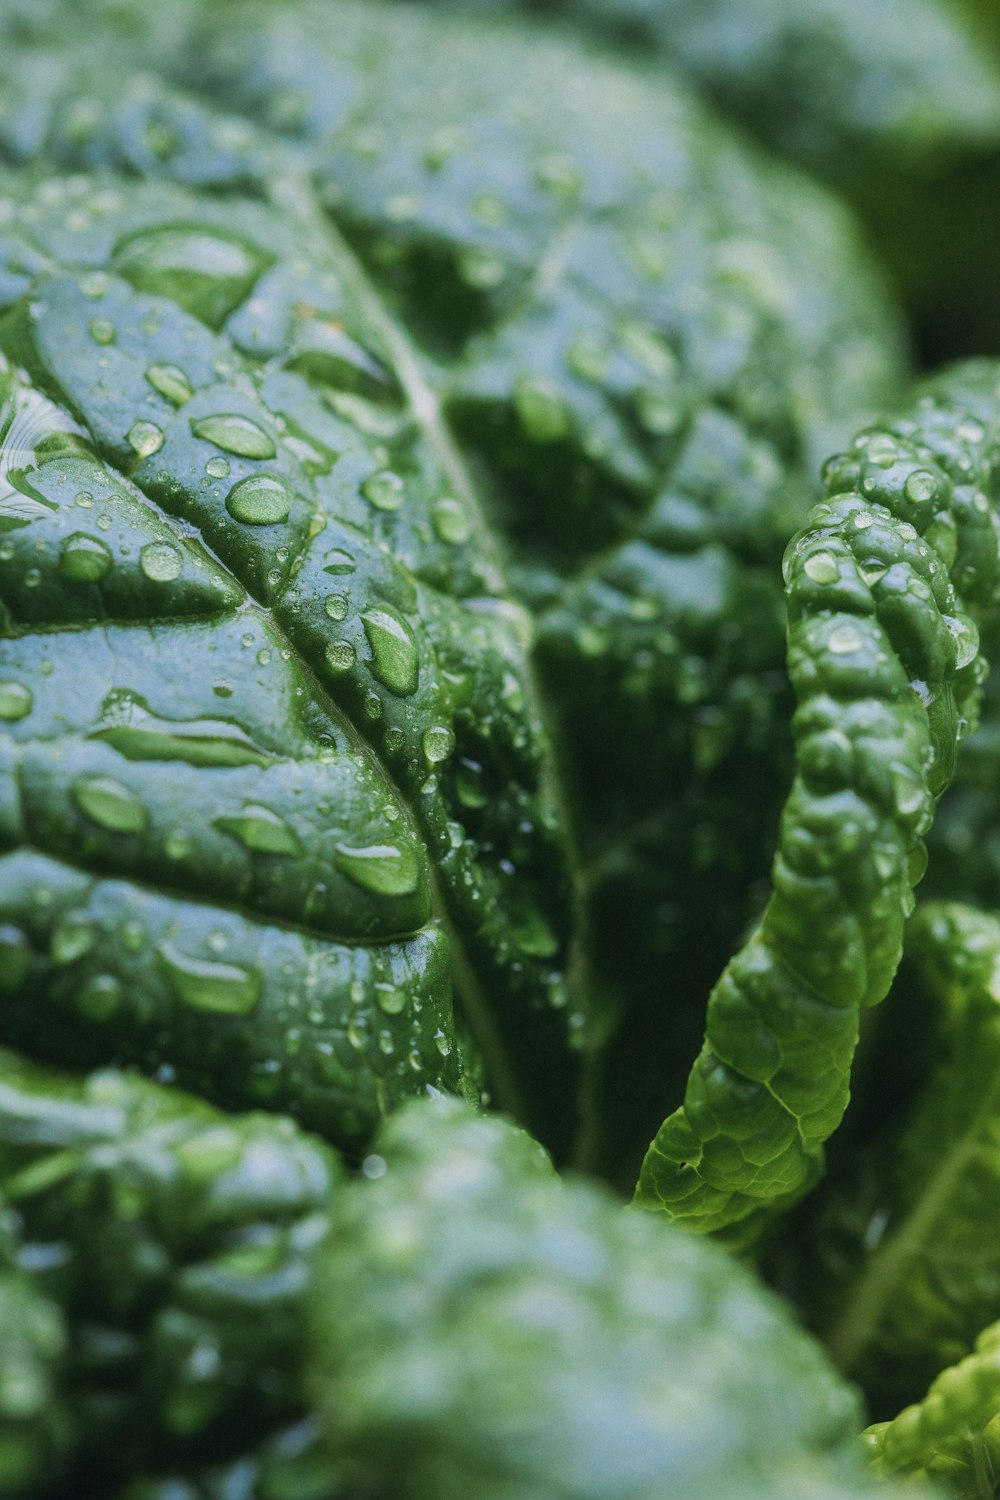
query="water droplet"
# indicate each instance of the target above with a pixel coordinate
(920, 486)
(171, 382)
(863, 519)
(145, 437)
(261, 830)
(259, 500)
(102, 331)
(438, 742)
(72, 938)
(336, 606)
(821, 568)
(872, 571)
(541, 408)
(394, 741)
(206, 984)
(100, 998)
(95, 285)
(15, 956)
(442, 1043)
(84, 559)
(395, 659)
(469, 784)
(160, 562)
(177, 844)
(340, 656)
(965, 634)
(451, 520)
(481, 269)
(389, 999)
(384, 490)
(217, 467)
(338, 561)
(110, 804)
(234, 434)
(16, 701)
(84, 499)
(844, 639)
(382, 868)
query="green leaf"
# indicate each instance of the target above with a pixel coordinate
(177, 1242)
(485, 1330)
(883, 658)
(33, 1425)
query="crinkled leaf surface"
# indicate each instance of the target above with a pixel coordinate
(177, 1241)
(418, 305)
(884, 659)
(486, 1330)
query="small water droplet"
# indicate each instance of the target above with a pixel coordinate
(217, 467)
(161, 562)
(145, 438)
(95, 285)
(15, 956)
(382, 868)
(821, 568)
(336, 606)
(338, 561)
(84, 559)
(389, 999)
(384, 489)
(207, 984)
(541, 408)
(438, 742)
(395, 658)
(261, 830)
(102, 331)
(100, 998)
(171, 382)
(234, 434)
(920, 486)
(72, 938)
(259, 500)
(16, 701)
(110, 804)
(451, 520)
(844, 639)
(340, 656)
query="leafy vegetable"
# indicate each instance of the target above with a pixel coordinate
(402, 419)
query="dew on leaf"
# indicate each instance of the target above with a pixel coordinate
(438, 742)
(234, 433)
(110, 804)
(395, 658)
(207, 984)
(259, 500)
(171, 382)
(145, 438)
(84, 559)
(340, 656)
(161, 562)
(383, 869)
(384, 490)
(451, 520)
(261, 830)
(100, 998)
(16, 701)
(72, 938)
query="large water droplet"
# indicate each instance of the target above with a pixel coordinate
(206, 984)
(84, 559)
(16, 701)
(338, 561)
(171, 382)
(821, 568)
(234, 434)
(395, 658)
(259, 500)
(110, 804)
(160, 562)
(382, 868)
(389, 999)
(261, 830)
(340, 656)
(102, 331)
